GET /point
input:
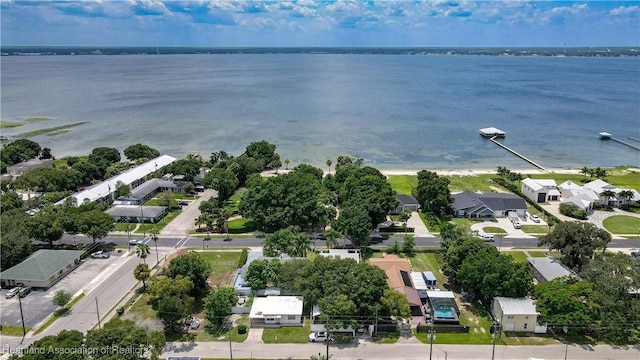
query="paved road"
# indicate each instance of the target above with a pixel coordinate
(186, 219)
(401, 351)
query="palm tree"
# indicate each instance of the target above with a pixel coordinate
(143, 250)
(607, 194)
(142, 273)
(585, 171)
(154, 236)
(626, 196)
(202, 219)
(286, 164)
(301, 244)
(225, 214)
(329, 162)
(331, 237)
(404, 217)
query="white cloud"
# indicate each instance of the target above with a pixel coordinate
(625, 11)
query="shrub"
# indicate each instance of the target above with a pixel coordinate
(242, 329)
(120, 311)
(573, 211)
(243, 258)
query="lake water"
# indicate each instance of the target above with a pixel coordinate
(395, 111)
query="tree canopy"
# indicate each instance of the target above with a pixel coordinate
(577, 241)
(223, 181)
(218, 304)
(433, 193)
(263, 273)
(118, 335)
(290, 241)
(193, 266)
(95, 224)
(140, 151)
(19, 150)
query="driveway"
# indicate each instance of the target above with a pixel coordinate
(506, 225)
(420, 230)
(182, 223)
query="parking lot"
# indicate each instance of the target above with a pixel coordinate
(37, 305)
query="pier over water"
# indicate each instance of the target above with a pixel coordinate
(492, 133)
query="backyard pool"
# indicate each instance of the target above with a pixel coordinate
(443, 312)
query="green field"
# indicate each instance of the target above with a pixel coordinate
(239, 226)
(482, 183)
(288, 335)
(403, 184)
(518, 256)
(535, 229)
(428, 262)
(622, 224)
(493, 230)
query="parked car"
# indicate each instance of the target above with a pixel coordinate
(12, 292)
(101, 255)
(320, 336)
(136, 241)
(183, 203)
(487, 237)
(24, 291)
(635, 254)
(535, 218)
(195, 323)
(516, 225)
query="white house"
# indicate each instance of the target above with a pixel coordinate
(540, 190)
(276, 311)
(591, 193)
(342, 254)
(516, 314)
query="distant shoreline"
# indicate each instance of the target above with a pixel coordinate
(599, 51)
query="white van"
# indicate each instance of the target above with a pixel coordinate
(487, 237)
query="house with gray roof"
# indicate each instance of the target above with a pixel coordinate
(515, 314)
(487, 206)
(547, 268)
(139, 214)
(405, 202)
(24, 167)
(41, 269)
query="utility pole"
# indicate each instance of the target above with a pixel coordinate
(432, 336)
(230, 348)
(24, 330)
(326, 326)
(98, 313)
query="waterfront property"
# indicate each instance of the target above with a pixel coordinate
(134, 177)
(406, 202)
(487, 206)
(24, 167)
(540, 190)
(276, 311)
(546, 269)
(516, 314)
(595, 192)
(41, 269)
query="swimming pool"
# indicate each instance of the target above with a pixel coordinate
(443, 312)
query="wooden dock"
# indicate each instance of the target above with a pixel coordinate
(493, 140)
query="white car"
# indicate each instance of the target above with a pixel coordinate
(11, 293)
(487, 237)
(101, 255)
(136, 241)
(320, 336)
(535, 218)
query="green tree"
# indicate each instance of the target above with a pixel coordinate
(625, 196)
(166, 198)
(433, 193)
(289, 272)
(46, 154)
(404, 216)
(142, 251)
(188, 187)
(395, 304)
(576, 241)
(450, 233)
(111, 155)
(563, 302)
(171, 311)
(122, 190)
(124, 334)
(140, 151)
(218, 304)
(262, 273)
(142, 273)
(15, 244)
(288, 199)
(95, 224)
(282, 241)
(368, 189)
(276, 163)
(607, 195)
(45, 226)
(338, 311)
(10, 200)
(165, 286)
(262, 151)
(286, 164)
(193, 266)
(331, 237)
(189, 167)
(225, 214)
(354, 222)
(221, 180)
(66, 342)
(61, 298)
(308, 169)
(329, 163)
(408, 244)
(19, 150)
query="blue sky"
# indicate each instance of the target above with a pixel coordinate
(320, 23)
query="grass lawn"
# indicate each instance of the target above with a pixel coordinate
(235, 337)
(622, 224)
(493, 230)
(474, 183)
(403, 184)
(242, 225)
(288, 335)
(386, 338)
(123, 226)
(537, 253)
(516, 339)
(518, 256)
(10, 330)
(142, 307)
(428, 262)
(535, 229)
(223, 264)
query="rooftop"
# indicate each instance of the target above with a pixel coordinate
(549, 268)
(276, 305)
(41, 265)
(517, 306)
